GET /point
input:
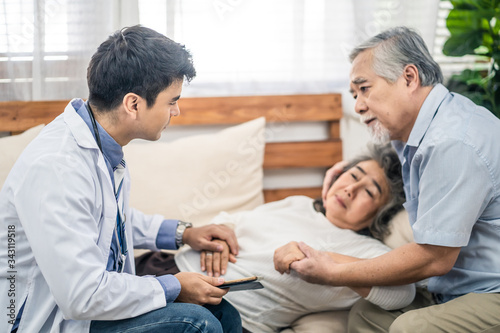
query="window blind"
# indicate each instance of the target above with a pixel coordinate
(450, 65)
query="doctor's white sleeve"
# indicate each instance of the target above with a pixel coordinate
(64, 228)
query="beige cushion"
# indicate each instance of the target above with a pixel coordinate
(401, 232)
(195, 178)
(11, 147)
(320, 322)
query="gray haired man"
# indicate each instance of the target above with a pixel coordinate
(451, 171)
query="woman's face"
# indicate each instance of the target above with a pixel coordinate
(356, 196)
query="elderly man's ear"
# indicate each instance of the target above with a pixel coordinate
(410, 75)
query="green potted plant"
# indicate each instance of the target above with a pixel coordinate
(474, 26)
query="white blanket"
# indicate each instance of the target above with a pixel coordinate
(285, 298)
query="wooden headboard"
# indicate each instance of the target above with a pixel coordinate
(16, 117)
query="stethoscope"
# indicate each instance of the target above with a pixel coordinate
(121, 249)
(94, 125)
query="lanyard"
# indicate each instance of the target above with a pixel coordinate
(120, 228)
(120, 218)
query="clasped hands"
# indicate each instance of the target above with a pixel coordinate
(197, 288)
(310, 264)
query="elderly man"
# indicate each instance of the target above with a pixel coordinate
(450, 163)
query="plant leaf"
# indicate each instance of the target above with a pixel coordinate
(461, 21)
(465, 4)
(474, 27)
(474, 4)
(462, 44)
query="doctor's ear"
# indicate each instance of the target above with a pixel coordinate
(132, 103)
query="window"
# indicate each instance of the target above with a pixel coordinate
(240, 47)
(258, 47)
(45, 47)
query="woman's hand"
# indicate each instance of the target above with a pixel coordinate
(215, 263)
(287, 254)
(203, 238)
(315, 267)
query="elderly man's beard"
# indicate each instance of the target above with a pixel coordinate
(378, 132)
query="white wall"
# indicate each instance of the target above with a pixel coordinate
(354, 134)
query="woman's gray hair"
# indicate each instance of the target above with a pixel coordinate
(397, 47)
(388, 160)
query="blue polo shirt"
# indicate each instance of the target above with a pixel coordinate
(451, 174)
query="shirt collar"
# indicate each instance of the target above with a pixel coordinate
(111, 150)
(426, 114)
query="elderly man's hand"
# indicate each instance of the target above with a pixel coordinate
(316, 267)
(330, 175)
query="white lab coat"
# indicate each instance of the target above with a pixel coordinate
(60, 200)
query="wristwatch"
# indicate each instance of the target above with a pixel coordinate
(179, 232)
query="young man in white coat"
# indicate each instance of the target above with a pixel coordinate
(66, 204)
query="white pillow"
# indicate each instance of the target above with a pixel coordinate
(11, 147)
(195, 178)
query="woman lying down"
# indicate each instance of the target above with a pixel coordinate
(355, 215)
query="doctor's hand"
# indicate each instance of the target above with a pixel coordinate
(330, 175)
(200, 289)
(202, 238)
(315, 267)
(215, 263)
(284, 256)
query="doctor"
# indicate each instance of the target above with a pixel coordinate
(65, 205)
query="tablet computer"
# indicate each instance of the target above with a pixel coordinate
(248, 283)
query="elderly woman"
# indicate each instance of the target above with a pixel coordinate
(349, 224)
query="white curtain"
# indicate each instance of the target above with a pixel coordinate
(373, 16)
(45, 45)
(240, 47)
(243, 47)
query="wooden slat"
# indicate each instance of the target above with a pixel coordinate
(20, 116)
(235, 110)
(278, 194)
(302, 154)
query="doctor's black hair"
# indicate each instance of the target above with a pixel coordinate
(135, 60)
(388, 160)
